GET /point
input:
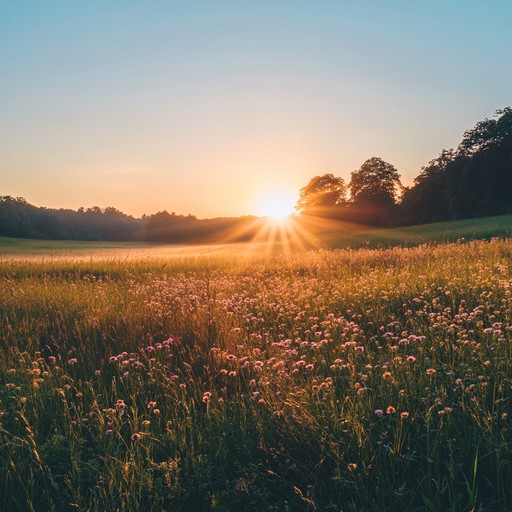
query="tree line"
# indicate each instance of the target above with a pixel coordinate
(20, 219)
(472, 180)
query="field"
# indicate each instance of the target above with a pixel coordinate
(299, 236)
(226, 379)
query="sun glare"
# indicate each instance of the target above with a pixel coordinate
(277, 204)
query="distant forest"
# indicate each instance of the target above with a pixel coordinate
(473, 180)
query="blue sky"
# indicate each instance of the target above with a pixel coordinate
(205, 107)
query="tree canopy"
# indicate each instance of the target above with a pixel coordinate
(375, 181)
(322, 194)
(473, 180)
(374, 189)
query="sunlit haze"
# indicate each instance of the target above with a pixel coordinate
(201, 107)
(277, 204)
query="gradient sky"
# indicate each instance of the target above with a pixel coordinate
(204, 107)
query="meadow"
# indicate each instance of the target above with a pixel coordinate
(224, 379)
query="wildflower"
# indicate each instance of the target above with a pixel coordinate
(411, 359)
(151, 405)
(387, 375)
(108, 432)
(379, 412)
(97, 372)
(170, 341)
(135, 437)
(156, 411)
(352, 466)
(52, 359)
(404, 414)
(390, 410)
(73, 361)
(431, 371)
(79, 395)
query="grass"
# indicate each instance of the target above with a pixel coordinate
(439, 232)
(361, 380)
(333, 234)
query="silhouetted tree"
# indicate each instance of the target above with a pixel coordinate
(324, 195)
(484, 158)
(471, 181)
(374, 190)
(428, 199)
(488, 134)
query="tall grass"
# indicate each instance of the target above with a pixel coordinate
(327, 380)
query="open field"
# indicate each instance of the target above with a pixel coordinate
(224, 379)
(298, 236)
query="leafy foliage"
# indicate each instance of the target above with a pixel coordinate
(375, 182)
(322, 194)
(374, 189)
(473, 180)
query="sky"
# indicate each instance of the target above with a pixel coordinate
(209, 107)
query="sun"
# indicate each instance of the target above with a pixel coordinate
(276, 204)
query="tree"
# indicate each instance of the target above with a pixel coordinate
(323, 196)
(374, 190)
(487, 134)
(428, 200)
